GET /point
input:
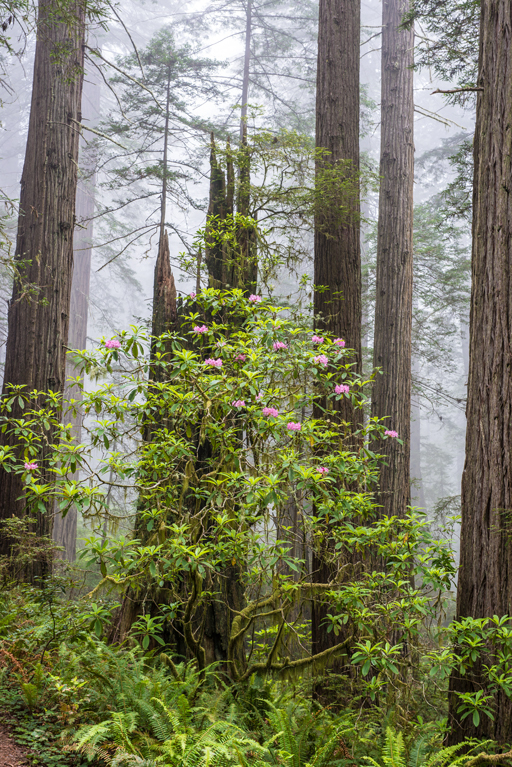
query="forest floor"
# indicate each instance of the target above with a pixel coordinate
(11, 755)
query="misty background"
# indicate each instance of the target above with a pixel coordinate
(118, 154)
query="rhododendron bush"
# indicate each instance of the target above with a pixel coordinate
(212, 440)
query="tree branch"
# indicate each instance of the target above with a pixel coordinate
(458, 90)
(296, 664)
(490, 758)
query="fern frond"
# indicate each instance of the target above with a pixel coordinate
(393, 754)
(92, 735)
(419, 751)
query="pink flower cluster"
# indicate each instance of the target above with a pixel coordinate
(339, 342)
(30, 466)
(200, 329)
(279, 345)
(220, 344)
(241, 357)
(391, 433)
(213, 363)
(192, 295)
(318, 339)
(259, 396)
(238, 403)
(113, 343)
(293, 426)
(342, 388)
(321, 360)
(254, 299)
(323, 470)
(272, 411)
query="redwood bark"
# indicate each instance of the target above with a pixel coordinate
(485, 572)
(38, 324)
(337, 266)
(391, 394)
(64, 528)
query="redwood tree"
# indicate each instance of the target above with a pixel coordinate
(337, 269)
(64, 530)
(485, 574)
(391, 394)
(39, 317)
(337, 266)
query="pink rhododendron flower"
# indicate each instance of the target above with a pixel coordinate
(192, 295)
(259, 395)
(293, 426)
(213, 363)
(323, 470)
(318, 339)
(220, 344)
(279, 345)
(342, 388)
(241, 357)
(254, 299)
(391, 433)
(321, 360)
(30, 466)
(113, 343)
(272, 411)
(339, 342)
(200, 329)
(238, 403)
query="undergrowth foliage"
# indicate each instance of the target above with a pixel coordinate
(227, 483)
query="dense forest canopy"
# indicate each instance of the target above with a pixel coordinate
(256, 414)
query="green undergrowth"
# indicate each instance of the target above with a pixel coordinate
(74, 700)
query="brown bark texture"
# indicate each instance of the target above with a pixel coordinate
(337, 267)
(65, 528)
(337, 264)
(38, 318)
(485, 572)
(391, 394)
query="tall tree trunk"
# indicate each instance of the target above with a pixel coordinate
(337, 267)
(391, 394)
(38, 324)
(485, 572)
(64, 528)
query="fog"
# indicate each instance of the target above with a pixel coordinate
(281, 96)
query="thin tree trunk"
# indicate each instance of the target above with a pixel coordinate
(391, 394)
(245, 80)
(417, 489)
(337, 266)
(38, 324)
(464, 342)
(485, 572)
(65, 528)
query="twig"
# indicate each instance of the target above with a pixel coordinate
(98, 133)
(457, 90)
(427, 113)
(125, 74)
(130, 37)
